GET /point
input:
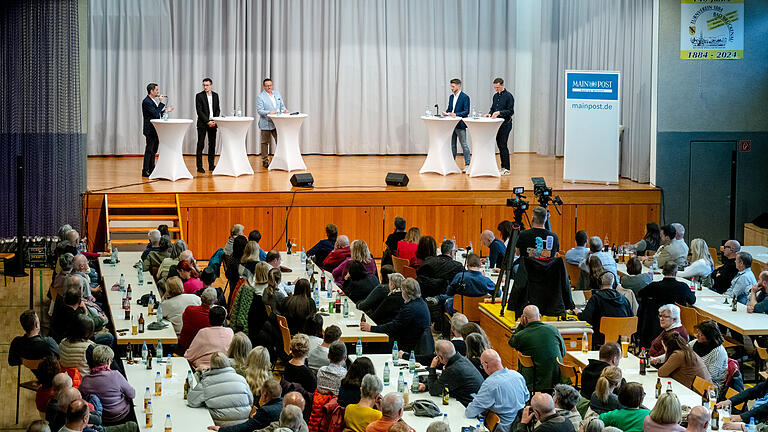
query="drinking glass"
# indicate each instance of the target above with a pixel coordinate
(625, 346)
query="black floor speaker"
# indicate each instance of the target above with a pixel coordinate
(302, 180)
(397, 179)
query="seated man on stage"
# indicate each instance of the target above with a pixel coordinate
(527, 238)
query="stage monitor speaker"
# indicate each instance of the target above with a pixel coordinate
(397, 179)
(302, 180)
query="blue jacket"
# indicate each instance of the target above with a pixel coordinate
(150, 111)
(264, 105)
(497, 251)
(408, 325)
(462, 108)
(475, 284)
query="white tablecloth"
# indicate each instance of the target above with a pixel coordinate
(288, 152)
(170, 162)
(439, 157)
(233, 160)
(483, 132)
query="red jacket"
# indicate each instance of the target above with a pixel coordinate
(318, 402)
(193, 319)
(335, 258)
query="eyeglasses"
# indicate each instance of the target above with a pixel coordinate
(664, 316)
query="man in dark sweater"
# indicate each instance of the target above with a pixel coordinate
(437, 271)
(544, 344)
(503, 107)
(723, 275)
(32, 345)
(542, 409)
(527, 238)
(392, 239)
(459, 374)
(759, 394)
(410, 322)
(325, 246)
(610, 354)
(657, 294)
(469, 283)
(605, 302)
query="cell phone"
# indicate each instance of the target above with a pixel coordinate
(122, 330)
(353, 325)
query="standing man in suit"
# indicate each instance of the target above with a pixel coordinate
(269, 102)
(503, 106)
(458, 106)
(207, 107)
(151, 108)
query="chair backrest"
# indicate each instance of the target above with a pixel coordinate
(574, 273)
(713, 254)
(701, 386)
(613, 327)
(31, 364)
(285, 332)
(409, 272)
(761, 351)
(399, 264)
(731, 393)
(688, 318)
(650, 253)
(757, 267)
(469, 306)
(571, 372)
(524, 360)
(491, 420)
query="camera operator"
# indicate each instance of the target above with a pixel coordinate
(527, 238)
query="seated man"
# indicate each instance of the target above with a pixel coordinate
(458, 320)
(436, 272)
(459, 375)
(527, 238)
(723, 275)
(605, 302)
(680, 236)
(255, 235)
(671, 249)
(329, 377)
(339, 253)
(698, 419)
(609, 355)
(744, 279)
(195, 318)
(80, 267)
(759, 410)
(274, 261)
(154, 243)
(544, 344)
(496, 247)
(391, 412)
(470, 283)
(209, 340)
(580, 252)
(542, 412)
(758, 295)
(32, 345)
(391, 242)
(504, 392)
(318, 357)
(321, 250)
(411, 321)
(596, 249)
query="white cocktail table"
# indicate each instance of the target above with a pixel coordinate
(233, 160)
(439, 157)
(287, 153)
(170, 161)
(483, 132)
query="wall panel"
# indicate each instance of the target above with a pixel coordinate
(306, 225)
(462, 222)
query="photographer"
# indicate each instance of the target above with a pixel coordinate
(527, 238)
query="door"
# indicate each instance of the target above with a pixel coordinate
(712, 185)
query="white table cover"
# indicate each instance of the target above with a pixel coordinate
(233, 160)
(483, 132)
(170, 162)
(439, 157)
(288, 153)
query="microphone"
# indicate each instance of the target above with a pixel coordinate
(437, 111)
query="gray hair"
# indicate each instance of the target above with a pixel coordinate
(63, 230)
(209, 296)
(679, 229)
(566, 396)
(103, 355)
(76, 282)
(154, 235)
(439, 426)
(178, 247)
(219, 360)
(445, 348)
(611, 429)
(447, 247)
(594, 424)
(236, 230)
(391, 404)
(674, 311)
(187, 256)
(396, 280)
(66, 261)
(458, 320)
(411, 289)
(291, 417)
(371, 386)
(39, 426)
(595, 244)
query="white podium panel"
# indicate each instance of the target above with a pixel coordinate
(233, 160)
(439, 157)
(170, 161)
(287, 153)
(483, 132)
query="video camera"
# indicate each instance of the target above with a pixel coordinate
(520, 207)
(544, 193)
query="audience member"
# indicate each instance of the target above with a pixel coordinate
(680, 235)
(604, 399)
(379, 293)
(579, 253)
(360, 283)
(439, 426)
(635, 279)
(566, 398)
(78, 416)
(31, 345)
(81, 267)
(329, 377)
(232, 264)
(709, 346)
(701, 262)
(594, 424)
(66, 308)
(605, 302)
(698, 419)
(544, 344)
(349, 392)
(294, 399)
(154, 258)
(189, 275)
(527, 238)
(195, 318)
(340, 252)
(411, 321)
(39, 426)
(542, 410)
(290, 420)
(496, 248)
(46, 373)
(359, 415)
(318, 357)
(469, 283)
(669, 321)
(667, 291)
(671, 249)
(296, 370)
(758, 295)
(504, 392)
(154, 243)
(665, 416)
(631, 417)
(360, 253)
(258, 369)
(458, 320)
(436, 272)
(609, 355)
(249, 259)
(723, 275)
(74, 347)
(395, 236)
(758, 395)
(477, 343)
(210, 340)
(458, 374)
(391, 412)
(173, 259)
(406, 248)
(225, 394)
(270, 405)
(299, 307)
(255, 235)
(744, 279)
(175, 302)
(238, 351)
(320, 251)
(65, 264)
(234, 232)
(392, 303)
(650, 241)
(113, 390)
(426, 248)
(606, 258)
(681, 362)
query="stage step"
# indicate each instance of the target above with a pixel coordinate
(119, 208)
(127, 205)
(140, 217)
(122, 229)
(116, 242)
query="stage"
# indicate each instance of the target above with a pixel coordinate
(350, 191)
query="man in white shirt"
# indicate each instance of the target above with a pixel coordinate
(458, 106)
(207, 107)
(269, 102)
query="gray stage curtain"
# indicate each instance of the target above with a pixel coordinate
(599, 35)
(363, 70)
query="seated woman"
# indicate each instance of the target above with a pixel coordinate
(665, 416)
(406, 248)
(411, 321)
(709, 346)
(604, 398)
(178, 247)
(272, 295)
(72, 350)
(225, 393)
(681, 363)
(701, 261)
(296, 370)
(359, 415)
(238, 352)
(426, 248)
(392, 303)
(358, 252)
(651, 240)
(349, 392)
(476, 344)
(113, 390)
(245, 295)
(232, 265)
(669, 320)
(359, 284)
(631, 417)
(299, 307)
(378, 294)
(248, 261)
(258, 369)
(175, 302)
(636, 279)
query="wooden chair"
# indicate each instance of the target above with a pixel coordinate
(650, 253)
(409, 272)
(33, 385)
(757, 268)
(731, 393)
(399, 264)
(571, 372)
(468, 306)
(6, 258)
(285, 332)
(491, 420)
(688, 318)
(762, 354)
(713, 254)
(574, 273)
(612, 327)
(701, 386)
(587, 295)
(525, 361)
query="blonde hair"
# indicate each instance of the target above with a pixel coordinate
(258, 368)
(413, 235)
(359, 251)
(610, 378)
(299, 345)
(251, 252)
(699, 250)
(219, 360)
(173, 287)
(238, 350)
(667, 410)
(261, 273)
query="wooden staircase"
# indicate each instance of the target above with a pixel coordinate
(129, 221)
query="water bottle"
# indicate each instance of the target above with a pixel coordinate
(159, 312)
(303, 256)
(346, 308)
(386, 373)
(412, 362)
(752, 427)
(168, 427)
(445, 418)
(144, 351)
(122, 282)
(329, 288)
(359, 348)
(415, 385)
(539, 246)
(165, 115)
(550, 242)
(159, 350)
(239, 111)
(400, 383)
(395, 351)
(317, 297)
(116, 259)
(474, 113)
(141, 273)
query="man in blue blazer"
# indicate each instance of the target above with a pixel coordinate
(458, 106)
(151, 108)
(269, 102)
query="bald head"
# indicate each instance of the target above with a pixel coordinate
(698, 419)
(66, 396)
(80, 263)
(445, 350)
(294, 398)
(61, 381)
(531, 314)
(487, 237)
(543, 404)
(490, 361)
(731, 248)
(392, 406)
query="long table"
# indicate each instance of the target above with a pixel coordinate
(759, 253)
(630, 369)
